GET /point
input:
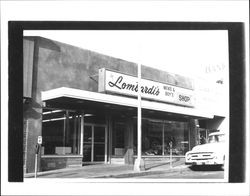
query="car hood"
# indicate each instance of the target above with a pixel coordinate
(211, 147)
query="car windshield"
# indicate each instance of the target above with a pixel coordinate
(216, 138)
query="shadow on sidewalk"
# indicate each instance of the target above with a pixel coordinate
(153, 166)
(163, 165)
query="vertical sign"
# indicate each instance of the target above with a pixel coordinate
(39, 140)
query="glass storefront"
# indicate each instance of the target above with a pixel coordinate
(157, 135)
(61, 132)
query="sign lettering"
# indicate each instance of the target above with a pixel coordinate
(121, 84)
(113, 82)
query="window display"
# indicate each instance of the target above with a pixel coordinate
(61, 132)
(118, 139)
(157, 135)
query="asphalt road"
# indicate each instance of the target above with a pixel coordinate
(189, 173)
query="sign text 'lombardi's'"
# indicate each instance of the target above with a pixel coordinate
(113, 82)
(121, 84)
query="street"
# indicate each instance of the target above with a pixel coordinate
(188, 172)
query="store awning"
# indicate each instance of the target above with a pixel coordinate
(93, 99)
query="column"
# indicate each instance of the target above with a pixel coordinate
(192, 133)
(110, 132)
(82, 129)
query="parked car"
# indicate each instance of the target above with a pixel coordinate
(211, 153)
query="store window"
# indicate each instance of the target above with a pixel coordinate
(178, 134)
(118, 138)
(152, 138)
(61, 132)
(157, 135)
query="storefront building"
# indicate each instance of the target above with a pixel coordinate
(84, 105)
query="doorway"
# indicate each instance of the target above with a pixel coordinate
(94, 143)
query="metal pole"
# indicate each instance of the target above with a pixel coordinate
(92, 143)
(171, 155)
(36, 165)
(139, 115)
(163, 136)
(139, 164)
(64, 130)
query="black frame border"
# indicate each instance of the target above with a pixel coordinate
(237, 152)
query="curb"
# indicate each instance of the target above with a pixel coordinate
(118, 175)
(32, 175)
(143, 173)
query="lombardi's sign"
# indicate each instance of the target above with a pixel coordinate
(114, 82)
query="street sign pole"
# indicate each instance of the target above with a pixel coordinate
(36, 166)
(39, 142)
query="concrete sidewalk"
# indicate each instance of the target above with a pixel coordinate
(110, 171)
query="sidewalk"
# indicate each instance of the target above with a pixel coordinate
(110, 171)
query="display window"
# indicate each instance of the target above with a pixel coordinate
(158, 134)
(61, 132)
(118, 139)
(177, 133)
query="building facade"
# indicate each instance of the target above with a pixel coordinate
(84, 105)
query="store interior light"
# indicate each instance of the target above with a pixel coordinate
(86, 115)
(56, 119)
(53, 111)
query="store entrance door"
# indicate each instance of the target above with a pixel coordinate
(94, 143)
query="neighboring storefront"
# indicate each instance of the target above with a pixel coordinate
(84, 106)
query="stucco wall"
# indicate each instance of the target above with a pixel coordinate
(64, 65)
